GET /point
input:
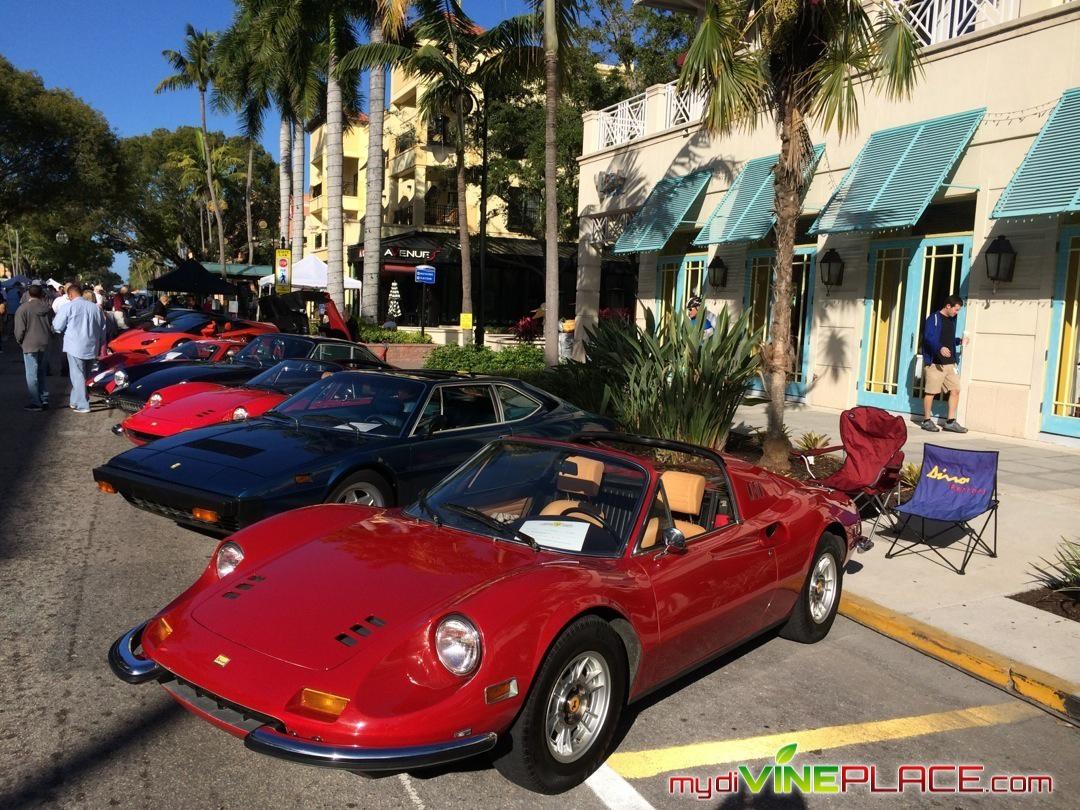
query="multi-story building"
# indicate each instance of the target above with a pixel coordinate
(988, 146)
(420, 218)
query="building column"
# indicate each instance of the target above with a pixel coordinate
(419, 204)
(587, 306)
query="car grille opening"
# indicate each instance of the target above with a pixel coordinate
(225, 523)
(219, 708)
(128, 405)
(138, 435)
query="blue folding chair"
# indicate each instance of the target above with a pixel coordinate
(955, 487)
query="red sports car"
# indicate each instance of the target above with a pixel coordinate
(154, 340)
(197, 404)
(515, 609)
(102, 381)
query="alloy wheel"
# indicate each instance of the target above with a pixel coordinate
(578, 706)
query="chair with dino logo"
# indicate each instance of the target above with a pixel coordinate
(955, 488)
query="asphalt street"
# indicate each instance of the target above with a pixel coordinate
(77, 568)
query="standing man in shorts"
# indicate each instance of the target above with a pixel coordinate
(939, 363)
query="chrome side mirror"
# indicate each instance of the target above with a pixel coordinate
(674, 540)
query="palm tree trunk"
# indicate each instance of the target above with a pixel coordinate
(284, 176)
(463, 218)
(210, 185)
(551, 208)
(332, 156)
(779, 359)
(373, 210)
(297, 229)
(202, 233)
(247, 203)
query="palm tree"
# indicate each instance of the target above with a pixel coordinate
(195, 68)
(225, 169)
(793, 62)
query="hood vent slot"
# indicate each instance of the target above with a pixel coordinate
(359, 631)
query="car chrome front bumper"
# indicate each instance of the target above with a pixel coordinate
(126, 664)
(267, 740)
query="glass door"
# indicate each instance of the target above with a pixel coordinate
(678, 278)
(908, 280)
(760, 265)
(1061, 401)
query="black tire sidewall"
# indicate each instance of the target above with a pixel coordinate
(801, 626)
(363, 477)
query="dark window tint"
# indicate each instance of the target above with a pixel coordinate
(468, 406)
(515, 404)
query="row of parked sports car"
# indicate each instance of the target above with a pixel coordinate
(481, 569)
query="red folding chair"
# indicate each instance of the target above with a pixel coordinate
(872, 441)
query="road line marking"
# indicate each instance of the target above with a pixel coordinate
(639, 764)
(416, 800)
(615, 792)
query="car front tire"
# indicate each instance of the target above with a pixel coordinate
(819, 600)
(365, 488)
(565, 728)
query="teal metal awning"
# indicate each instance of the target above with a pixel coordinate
(897, 174)
(1048, 181)
(745, 214)
(664, 210)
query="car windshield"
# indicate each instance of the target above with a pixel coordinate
(290, 376)
(183, 323)
(354, 401)
(268, 349)
(571, 500)
(195, 350)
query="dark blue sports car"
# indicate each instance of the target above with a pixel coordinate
(370, 437)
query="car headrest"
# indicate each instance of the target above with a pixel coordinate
(684, 491)
(584, 480)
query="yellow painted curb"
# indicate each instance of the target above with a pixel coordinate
(1041, 688)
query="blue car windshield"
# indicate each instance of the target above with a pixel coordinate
(269, 349)
(570, 500)
(290, 376)
(357, 402)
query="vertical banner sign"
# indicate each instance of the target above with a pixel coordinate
(424, 275)
(282, 271)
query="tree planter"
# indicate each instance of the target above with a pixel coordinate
(402, 355)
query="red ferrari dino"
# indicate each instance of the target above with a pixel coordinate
(154, 340)
(515, 609)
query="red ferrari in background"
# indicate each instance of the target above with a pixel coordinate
(197, 404)
(102, 381)
(515, 609)
(154, 340)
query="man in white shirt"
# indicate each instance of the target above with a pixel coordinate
(57, 362)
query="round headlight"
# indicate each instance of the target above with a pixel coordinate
(457, 643)
(155, 399)
(229, 556)
(120, 379)
(240, 414)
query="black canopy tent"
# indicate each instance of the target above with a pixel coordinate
(192, 277)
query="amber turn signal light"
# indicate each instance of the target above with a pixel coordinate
(159, 630)
(205, 515)
(302, 478)
(106, 487)
(323, 702)
(501, 691)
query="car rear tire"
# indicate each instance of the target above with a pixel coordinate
(819, 600)
(551, 748)
(365, 488)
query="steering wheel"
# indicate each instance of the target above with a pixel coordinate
(588, 512)
(379, 420)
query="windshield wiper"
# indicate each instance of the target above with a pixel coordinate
(425, 504)
(337, 420)
(276, 414)
(498, 526)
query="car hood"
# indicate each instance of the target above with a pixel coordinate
(151, 379)
(382, 576)
(213, 406)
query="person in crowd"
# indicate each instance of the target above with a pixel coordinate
(940, 344)
(121, 306)
(99, 295)
(693, 309)
(12, 297)
(3, 318)
(59, 367)
(82, 323)
(160, 316)
(33, 331)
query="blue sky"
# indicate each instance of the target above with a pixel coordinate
(108, 52)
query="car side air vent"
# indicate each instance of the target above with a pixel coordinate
(360, 630)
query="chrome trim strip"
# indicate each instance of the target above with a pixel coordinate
(266, 740)
(126, 665)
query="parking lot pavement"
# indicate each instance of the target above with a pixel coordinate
(78, 567)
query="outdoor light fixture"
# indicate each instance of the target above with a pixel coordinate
(1000, 261)
(717, 272)
(832, 269)
(61, 237)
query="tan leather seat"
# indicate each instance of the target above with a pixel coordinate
(684, 492)
(584, 482)
(652, 533)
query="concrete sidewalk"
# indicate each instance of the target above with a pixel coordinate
(1039, 491)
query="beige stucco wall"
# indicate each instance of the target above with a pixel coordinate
(1011, 67)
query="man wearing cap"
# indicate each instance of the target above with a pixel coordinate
(33, 331)
(82, 323)
(693, 307)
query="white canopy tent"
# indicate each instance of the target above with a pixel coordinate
(310, 272)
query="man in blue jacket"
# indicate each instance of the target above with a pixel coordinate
(939, 345)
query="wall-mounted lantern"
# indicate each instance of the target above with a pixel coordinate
(1000, 261)
(717, 272)
(832, 269)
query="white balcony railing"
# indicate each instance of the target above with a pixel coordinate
(937, 21)
(622, 122)
(683, 108)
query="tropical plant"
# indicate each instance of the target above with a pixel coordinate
(794, 61)
(909, 475)
(1061, 574)
(511, 360)
(194, 67)
(527, 329)
(812, 441)
(369, 333)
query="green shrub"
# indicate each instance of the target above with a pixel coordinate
(1062, 574)
(909, 475)
(368, 333)
(812, 441)
(511, 361)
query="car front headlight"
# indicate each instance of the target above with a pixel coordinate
(457, 643)
(156, 399)
(229, 556)
(120, 379)
(240, 414)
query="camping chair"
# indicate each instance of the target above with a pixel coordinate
(955, 487)
(872, 441)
